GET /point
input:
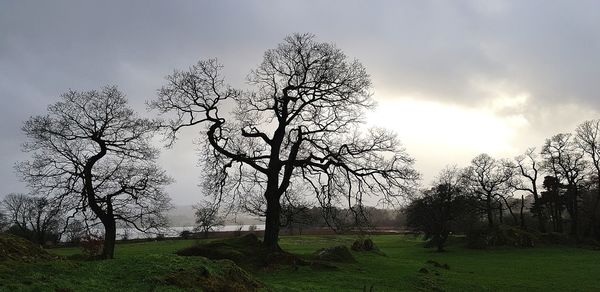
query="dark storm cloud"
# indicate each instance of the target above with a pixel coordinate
(431, 48)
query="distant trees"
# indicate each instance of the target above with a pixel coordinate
(564, 160)
(35, 218)
(75, 231)
(3, 221)
(438, 209)
(207, 217)
(553, 202)
(559, 185)
(92, 154)
(299, 126)
(488, 181)
(588, 139)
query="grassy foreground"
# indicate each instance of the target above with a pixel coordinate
(140, 266)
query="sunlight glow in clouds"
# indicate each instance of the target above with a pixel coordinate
(437, 133)
(479, 130)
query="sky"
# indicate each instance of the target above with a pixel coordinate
(452, 78)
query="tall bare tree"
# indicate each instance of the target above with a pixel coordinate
(488, 180)
(92, 153)
(529, 170)
(588, 139)
(567, 163)
(301, 124)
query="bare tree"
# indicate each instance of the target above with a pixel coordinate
(529, 171)
(300, 125)
(3, 221)
(93, 153)
(75, 231)
(588, 139)
(434, 212)
(207, 217)
(566, 161)
(488, 180)
(37, 218)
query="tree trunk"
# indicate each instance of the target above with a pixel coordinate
(271, 237)
(592, 219)
(521, 215)
(572, 210)
(510, 211)
(490, 214)
(441, 240)
(110, 236)
(110, 231)
(541, 220)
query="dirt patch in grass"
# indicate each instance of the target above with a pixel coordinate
(19, 249)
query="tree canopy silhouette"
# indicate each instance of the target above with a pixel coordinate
(91, 152)
(300, 124)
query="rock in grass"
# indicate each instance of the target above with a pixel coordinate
(339, 253)
(19, 249)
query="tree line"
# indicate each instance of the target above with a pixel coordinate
(554, 189)
(296, 133)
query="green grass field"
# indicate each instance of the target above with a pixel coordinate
(138, 265)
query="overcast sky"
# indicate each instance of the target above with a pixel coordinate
(452, 78)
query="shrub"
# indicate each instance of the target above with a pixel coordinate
(556, 238)
(186, 234)
(500, 236)
(91, 245)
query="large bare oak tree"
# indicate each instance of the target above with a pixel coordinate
(299, 124)
(92, 153)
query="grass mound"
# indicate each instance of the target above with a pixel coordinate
(19, 249)
(339, 253)
(247, 251)
(229, 277)
(362, 245)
